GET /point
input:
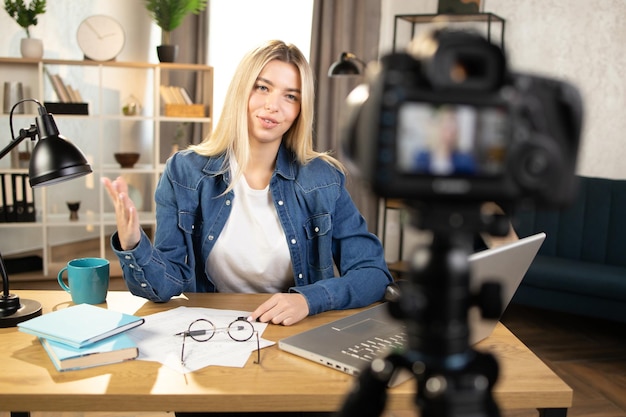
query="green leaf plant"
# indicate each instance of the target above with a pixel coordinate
(169, 14)
(25, 16)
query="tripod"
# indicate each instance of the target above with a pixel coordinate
(452, 378)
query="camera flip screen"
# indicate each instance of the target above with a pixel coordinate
(451, 140)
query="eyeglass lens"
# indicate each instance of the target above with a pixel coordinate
(202, 330)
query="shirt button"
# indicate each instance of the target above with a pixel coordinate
(280, 203)
(131, 266)
(210, 237)
(227, 202)
(127, 257)
(293, 241)
(317, 229)
(144, 285)
(300, 276)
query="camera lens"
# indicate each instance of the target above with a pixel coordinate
(536, 163)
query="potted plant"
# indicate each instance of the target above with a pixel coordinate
(168, 15)
(26, 16)
(178, 141)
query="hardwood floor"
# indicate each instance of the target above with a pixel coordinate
(588, 354)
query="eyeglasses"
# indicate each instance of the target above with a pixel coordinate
(202, 330)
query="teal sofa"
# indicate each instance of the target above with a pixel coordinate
(581, 266)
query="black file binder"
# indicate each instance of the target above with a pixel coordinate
(29, 193)
(7, 197)
(24, 200)
(18, 199)
(3, 215)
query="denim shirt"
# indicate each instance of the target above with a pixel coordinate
(320, 221)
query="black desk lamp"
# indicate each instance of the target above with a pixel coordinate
(345, 65)
(54, 159)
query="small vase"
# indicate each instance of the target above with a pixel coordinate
(167, 53)
(73, 207)
(31, 48)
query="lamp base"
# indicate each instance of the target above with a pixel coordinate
(27, 310)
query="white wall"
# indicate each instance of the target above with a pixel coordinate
(57, 27)
(237, 26)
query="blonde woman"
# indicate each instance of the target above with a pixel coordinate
(253, 208)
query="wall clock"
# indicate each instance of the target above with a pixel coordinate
(100, 37)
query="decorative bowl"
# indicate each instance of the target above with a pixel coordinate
(126, 159)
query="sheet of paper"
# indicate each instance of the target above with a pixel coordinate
(157, 339)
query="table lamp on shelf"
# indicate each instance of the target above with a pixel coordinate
(54, 159)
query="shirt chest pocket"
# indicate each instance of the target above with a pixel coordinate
(189, 223)
(319, 241)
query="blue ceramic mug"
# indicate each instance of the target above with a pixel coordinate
(87, 280)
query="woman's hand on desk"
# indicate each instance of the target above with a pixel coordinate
(128, 229)
(285, 309)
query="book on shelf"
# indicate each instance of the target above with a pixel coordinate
(65, 92)
(175, 95)
(115, 349)
(75, 96)
(80, 325)
(186, 98)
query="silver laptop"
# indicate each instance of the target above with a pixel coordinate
(349, 344)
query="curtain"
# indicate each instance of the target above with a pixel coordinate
(342, 26)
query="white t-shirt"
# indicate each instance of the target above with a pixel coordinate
(251, 253)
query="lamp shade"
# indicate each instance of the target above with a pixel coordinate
(345, 65)
(54, 158)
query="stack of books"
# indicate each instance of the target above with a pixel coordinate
(178, 103)
(65, 92)
(84, 336)
(70, 100)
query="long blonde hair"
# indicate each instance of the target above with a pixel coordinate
(230, 135)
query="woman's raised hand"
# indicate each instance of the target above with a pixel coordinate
(128, 229)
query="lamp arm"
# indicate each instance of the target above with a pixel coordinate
(5, 278)
(31, 132)
(9, 303)
(24, 133)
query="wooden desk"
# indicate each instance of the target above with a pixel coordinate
(283, 382)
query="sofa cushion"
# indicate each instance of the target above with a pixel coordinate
(592, 229)
(591, 279)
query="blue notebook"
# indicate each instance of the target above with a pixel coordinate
(113, 349)
(80, 325)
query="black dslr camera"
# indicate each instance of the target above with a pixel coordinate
(448, 122)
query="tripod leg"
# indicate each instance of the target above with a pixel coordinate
(369, 394)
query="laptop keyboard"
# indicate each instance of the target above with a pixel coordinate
(370, 349)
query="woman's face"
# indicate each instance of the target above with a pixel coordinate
(274, 102)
